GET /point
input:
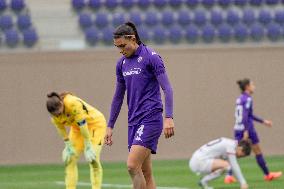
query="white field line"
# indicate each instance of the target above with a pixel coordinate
(116, 185)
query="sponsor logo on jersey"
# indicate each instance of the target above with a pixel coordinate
(133, 71)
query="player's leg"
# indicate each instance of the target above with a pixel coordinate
(262, 164)
(218, 166)
(97, 132)
(136, 158)
(147, 172)
(71, 169)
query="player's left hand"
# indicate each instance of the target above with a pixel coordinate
(267, 123)
(169, 127)
(89, 152)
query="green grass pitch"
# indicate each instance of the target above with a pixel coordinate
(172, 174)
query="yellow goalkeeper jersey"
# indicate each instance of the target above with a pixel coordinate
(77, 112)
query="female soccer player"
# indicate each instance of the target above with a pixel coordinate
(244, 127)
(217, 156)
(87, 132)
(140, 72)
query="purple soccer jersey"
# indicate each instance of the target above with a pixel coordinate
(139, 76)
(244, 118)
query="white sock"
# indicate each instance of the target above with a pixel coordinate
(211, 176)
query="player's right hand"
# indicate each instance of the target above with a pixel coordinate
(244, 186)
(246, 136)
(108, 137)
(68, 152)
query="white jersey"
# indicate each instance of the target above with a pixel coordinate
(217, 149)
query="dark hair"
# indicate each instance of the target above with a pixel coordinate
(243, 83)
(126, 29)
(53, 102)
(246, 147)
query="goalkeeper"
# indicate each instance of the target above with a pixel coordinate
(87, 132)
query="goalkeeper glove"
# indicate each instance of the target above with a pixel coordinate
(68, 152)
(89, 151)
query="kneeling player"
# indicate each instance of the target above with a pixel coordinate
(217, 157)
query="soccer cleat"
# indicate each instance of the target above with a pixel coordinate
(204, 185)
(272, 176)
(229, 179)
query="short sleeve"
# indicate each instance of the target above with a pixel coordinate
(157, 64)
(119, 75)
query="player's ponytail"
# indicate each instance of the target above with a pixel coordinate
(243, 83)
(126, 30)
(53, 102)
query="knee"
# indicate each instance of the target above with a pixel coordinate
(95, 164)
(132, 168)
(226, 166)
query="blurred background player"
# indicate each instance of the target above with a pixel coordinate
(87, 132)
(217, 157)
(244, 128)
(140, 72)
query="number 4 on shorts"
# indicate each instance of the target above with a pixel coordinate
(139, 133)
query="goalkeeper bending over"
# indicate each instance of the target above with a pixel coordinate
(86, 134)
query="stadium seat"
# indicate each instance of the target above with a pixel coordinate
(233, 17)
(167, 18)
(24, 21)
(151, 18)
(175, 34)
(183, 17)
(85, 20)
(175, 3)
(78, 4)
(191, 3)
(3, 5)
(224, 32)
(95, 4)
(160, 3)
(136, 18)
(240, 2)
(240, 32)
(255, 2)
(264, 16)
(208, 33)
(143, 4)
(191, 33)
(199, 17)
(101, 19)
(127, 3)
(11, 38)
(248, 16)
(159, 35)
(118, 19)
(17, 5)
(271, 2)
(6, 22)
(30, 37)
(224, 3)
(107, 35)
(216, 17)
(207, 3)
(91, 36)
(144, 34)
(256, 32)
(111, 4)
(274, 31)
(279, 16)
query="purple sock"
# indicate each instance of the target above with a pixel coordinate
(262, 164)
(230, 172)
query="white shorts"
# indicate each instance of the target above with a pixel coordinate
(200, 165)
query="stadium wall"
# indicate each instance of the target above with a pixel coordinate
(204, 83)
